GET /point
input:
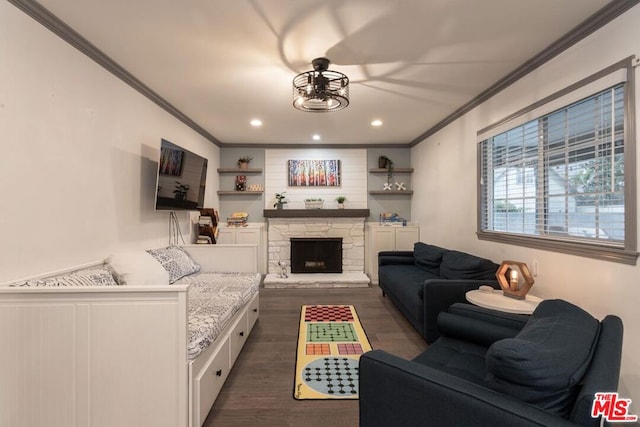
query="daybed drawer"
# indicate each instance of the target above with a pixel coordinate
(237, 337)
(253, 312)
(210, 381)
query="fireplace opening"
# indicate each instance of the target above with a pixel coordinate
(316, 255)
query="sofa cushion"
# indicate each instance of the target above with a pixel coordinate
(545, 362)
(456, 357)
(428, 257)
(176, 261)
(138, 268)
(463, 266)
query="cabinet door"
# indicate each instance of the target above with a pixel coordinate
(248, 235)
(406, 237)
(382, 239)
(226, 236)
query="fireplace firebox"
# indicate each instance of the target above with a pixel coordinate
(316, 254)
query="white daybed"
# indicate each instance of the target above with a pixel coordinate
(117, 355)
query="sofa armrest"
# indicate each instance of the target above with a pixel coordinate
(406, 254)
(440, 294)
(479, 331)
(394, 260)
(500, 318)
(397, 253)
(394, 391)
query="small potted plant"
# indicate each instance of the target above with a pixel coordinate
(280, 200)
(383, 161)
(243, 162)
(340, 200)
(386, 163)
(180, 192)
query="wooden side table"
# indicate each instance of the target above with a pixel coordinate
(495, 300)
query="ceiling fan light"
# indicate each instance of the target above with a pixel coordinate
(321, 90)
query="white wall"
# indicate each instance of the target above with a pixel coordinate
(79, 155)
(353, 181)
(445, 203)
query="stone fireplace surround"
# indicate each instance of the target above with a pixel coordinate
(317, 223)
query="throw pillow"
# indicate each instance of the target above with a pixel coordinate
(464, 266)
(545, 362)
(176, 261)
(428, 257)
(138, 268)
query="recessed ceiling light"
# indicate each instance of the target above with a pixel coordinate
(256, 123)
(376, 123)
(316, 137)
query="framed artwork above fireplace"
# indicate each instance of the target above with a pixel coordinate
(313, 173)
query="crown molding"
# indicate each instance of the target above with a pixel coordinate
(605, 15)
(596, 21)
(310, 146)
(66, 33)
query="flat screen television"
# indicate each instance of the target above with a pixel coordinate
(181, 179)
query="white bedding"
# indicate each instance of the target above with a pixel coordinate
(213, 300)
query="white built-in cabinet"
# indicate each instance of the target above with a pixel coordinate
(252, 233)
(386, 238)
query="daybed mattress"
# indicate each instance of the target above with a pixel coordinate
(213, 300)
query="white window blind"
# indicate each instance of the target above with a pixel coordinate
(559, 175)
(570, 95)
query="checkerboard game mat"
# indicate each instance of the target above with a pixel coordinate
(328, 313)
(330, 342)
(332, 332)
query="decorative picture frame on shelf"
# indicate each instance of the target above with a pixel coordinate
(313, 203)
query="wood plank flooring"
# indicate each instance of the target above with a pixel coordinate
(259, 390)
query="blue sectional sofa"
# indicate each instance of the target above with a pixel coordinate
(496, 369)
(423, 282)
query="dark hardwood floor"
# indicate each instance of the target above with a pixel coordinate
(259, 390)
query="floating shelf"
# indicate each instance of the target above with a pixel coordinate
(239, 193)
(239, 171)
(394, 170)
(316, 213)
(392, 192)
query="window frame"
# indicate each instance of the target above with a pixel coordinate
(628, 253)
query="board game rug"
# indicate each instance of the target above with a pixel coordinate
(330, 342)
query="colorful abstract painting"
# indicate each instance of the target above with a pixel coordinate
(314, 173)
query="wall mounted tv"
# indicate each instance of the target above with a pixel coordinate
(181, 179)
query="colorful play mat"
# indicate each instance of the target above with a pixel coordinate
(330, 342)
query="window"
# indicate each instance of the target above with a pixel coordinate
(559, 175)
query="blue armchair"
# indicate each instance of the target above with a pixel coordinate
(492, 368)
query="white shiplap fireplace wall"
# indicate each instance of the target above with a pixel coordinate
(353, 187)
(353, 180)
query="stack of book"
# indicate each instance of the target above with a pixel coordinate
(238, 219)
(207, 227)
(387, 218)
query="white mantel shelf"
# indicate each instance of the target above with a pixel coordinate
(316, 213)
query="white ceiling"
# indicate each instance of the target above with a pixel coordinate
(411, 62)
